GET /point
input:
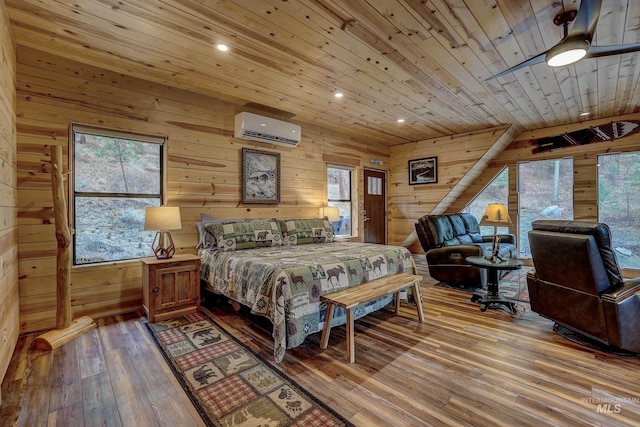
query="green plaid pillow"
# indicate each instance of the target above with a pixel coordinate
(246, 234)
(310, 230)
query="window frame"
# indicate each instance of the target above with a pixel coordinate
(75, 128)
(352, 195)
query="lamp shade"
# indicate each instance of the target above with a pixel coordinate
(332, 213)
(495, 214)
(162, 218)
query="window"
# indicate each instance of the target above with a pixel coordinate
(339, 187)
(619, 202)
(115, 177)
(545, 191)
(374, 185)
(497, 191)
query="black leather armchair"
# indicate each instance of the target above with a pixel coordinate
(450, 238)
(576, 282)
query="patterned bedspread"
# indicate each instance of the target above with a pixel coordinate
(284, 283)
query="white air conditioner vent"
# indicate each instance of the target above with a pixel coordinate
(265, 129)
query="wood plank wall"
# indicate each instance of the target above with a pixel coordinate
(204, 162)
(585, 191)
(457, 155)
(9, 320)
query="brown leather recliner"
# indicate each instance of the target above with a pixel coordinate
(576, 282)
(450, 238)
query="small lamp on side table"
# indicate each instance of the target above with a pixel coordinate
(162, 219)
(333, 215)
(495, 214)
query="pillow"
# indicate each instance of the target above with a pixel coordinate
(302, 231)
(250, 234)
(206, 239)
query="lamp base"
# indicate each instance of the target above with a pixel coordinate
(495, 259)
(163, 246)
(495, 251)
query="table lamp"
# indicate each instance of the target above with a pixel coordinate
(333, 215)
(162, 219)
(495, 214)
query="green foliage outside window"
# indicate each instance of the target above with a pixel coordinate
(619, 204)
(497, 191)
(114, 180)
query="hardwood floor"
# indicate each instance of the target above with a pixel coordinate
(461, 367)
(111, 376)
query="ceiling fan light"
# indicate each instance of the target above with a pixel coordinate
(567, 52)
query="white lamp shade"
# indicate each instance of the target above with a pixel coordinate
(162, 218)
(332, 213)
(567, 52)
(496, 214)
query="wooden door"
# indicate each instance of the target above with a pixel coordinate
(375, 218)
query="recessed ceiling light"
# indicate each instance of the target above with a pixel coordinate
(222, 47)
(400, 120)
(339, 95)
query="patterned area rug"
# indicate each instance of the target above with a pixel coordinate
(229, 383)
(514, 285)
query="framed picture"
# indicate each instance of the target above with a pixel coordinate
(260, 176)
(423, 171)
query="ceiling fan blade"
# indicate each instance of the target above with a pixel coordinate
(583, 27)
(531, 61)
(598, 51)
(586, 19)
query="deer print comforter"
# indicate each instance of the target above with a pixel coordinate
(284, 283)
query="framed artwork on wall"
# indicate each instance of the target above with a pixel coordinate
(260, 176)
(423, 171)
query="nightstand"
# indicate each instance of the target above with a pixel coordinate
(170, 287)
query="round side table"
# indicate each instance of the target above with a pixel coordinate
(493, 298)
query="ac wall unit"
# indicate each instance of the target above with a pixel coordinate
(264, 129)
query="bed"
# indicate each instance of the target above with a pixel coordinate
(279, 268)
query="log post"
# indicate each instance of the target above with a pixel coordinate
(66, 328)
(64, 313)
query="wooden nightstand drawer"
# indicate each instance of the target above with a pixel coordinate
(170, 287)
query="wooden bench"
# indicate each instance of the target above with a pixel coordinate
(354, 297)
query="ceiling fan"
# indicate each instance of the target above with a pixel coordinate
(576, 43)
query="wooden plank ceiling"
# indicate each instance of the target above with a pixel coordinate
(424, 61)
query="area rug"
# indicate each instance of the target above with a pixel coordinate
(512, 285)
(229, 383)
